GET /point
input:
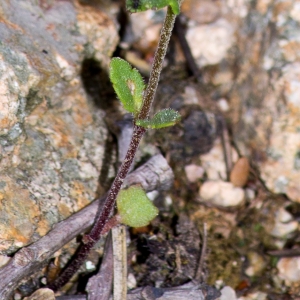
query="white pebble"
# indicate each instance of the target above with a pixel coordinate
(4, 260)
(131, 281)
(222, 193)
(289, 269)
(228, 293)
(193, 172)
(89, 265)
(283, 224)
(223, 104)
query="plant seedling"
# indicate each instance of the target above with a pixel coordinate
(134, 207)
(129, 86)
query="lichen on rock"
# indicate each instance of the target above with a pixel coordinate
(52, 136)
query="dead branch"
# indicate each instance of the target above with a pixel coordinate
(32, 258)
(191, 291)
(99, 286)
(200, 270)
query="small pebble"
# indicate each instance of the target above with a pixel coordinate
(221, 193)
(131, 281)
(4, 260)
(240, 172)
(289, 269)
(210, 43)
(17, 296)
(201, 11)
(152, 195)
(89, 265)
(250, 194)
(193, 172)
(283, 224)
(223, 104)
(228, 293)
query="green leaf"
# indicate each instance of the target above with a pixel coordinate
(164, 118)
(135, 208)
(142, 5)
(128, 84)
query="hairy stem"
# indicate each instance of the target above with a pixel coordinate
(91, 239)
(159, 56)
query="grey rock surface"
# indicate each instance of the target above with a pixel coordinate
(52, 135)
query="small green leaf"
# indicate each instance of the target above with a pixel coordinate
(135, 208)
(164, 118)
(128, 84)
(142, 5)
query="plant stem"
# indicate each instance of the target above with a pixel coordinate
(91, 239)
(159, 57)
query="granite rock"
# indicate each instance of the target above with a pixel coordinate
(210, 43)
(264, 95)
(250, 52)
(52, 135)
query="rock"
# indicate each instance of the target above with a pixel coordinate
(201, 11)
(209, 43)
(228, 293)
(193, 172)
(250, 194)
(144, 30)
(131, 281)
(223, 105)
(52, 135)
(4, 260)
(284, 224)
(264, 103)
(213, 161)
(289, 269)
(221, 193)
(240, 172)
(281, 170)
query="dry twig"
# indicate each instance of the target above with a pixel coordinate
(32, 258)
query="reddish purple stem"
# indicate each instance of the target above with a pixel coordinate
(107, 209)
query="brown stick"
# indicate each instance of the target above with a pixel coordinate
(191, 291)
(99, 286)
(32, 258)
(226, 145)
(200, 270)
